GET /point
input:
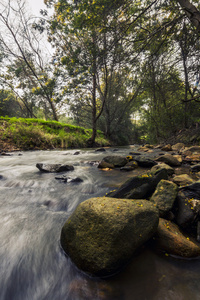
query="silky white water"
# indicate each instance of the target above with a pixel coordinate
(33, 208)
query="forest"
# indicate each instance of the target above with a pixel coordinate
(130, 69)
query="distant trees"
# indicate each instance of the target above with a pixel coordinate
(9, 104)
(92, 39)
(112, 59)
(25, 70)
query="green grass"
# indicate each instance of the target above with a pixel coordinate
(29, 134)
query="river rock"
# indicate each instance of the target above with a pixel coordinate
(170, 170)
(116, 161)
(100, 150)
(54, 168)
(65, 179)
(6, 154)
(182, 179)
(83, 288)
(194, 149)
(103, 234)
(143, 149)
(144, 161)
(195, 168)
(178, 147)
(164, 196)
(188, 207)
(131, 165)
(139, 187)
(105, 165)
(134, 153)
(192, 190)
(170, 239)
(169, 159)
(77, 153)
(178, 157)
(167, 148)
(192, 158)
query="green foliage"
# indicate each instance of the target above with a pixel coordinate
(112, 59)
(29, 134)
(9, 104)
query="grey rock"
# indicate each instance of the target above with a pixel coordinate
(54, 168)
(144, 161)
(169, 159)
(139, 187)
(195, 168)
(65, 179)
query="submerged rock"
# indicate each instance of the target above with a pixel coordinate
(134, 153)
(103, 234)
(77, 153)
(170, 239)
(6, 154)
(54, 168)
(84, 288)
(68, 179)
(100, 150)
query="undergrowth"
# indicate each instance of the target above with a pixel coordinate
(30, 134)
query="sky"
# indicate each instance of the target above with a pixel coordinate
(35, 6)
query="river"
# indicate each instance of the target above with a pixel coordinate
(33, 208)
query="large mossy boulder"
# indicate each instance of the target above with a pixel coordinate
(139, 187)
(164, 196)
(170, 239)
(103, 234)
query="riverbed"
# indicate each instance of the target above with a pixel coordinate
(33, 208)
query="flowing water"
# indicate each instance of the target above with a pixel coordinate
(33, 208)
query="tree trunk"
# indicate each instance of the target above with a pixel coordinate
(94, 88)
(192, 13)
(55, 117)
(94, 109)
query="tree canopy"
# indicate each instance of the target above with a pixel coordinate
(120, 66)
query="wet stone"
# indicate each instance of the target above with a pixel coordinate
(66, 179)
(195, 168)
(54, 168)
(100, 150)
